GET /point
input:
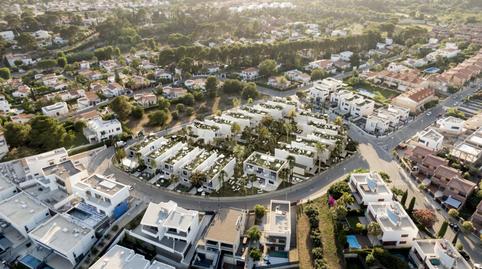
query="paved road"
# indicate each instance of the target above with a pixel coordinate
(374, 154)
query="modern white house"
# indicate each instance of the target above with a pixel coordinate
(398, 229)
(274, 110)
(99, 130)
(353, 104)
(23, 213)
(298, 76)
(267, 169)
(224, 234)
(62, 176)
(241, 119)
(4, 104)
(119, 257)
(288, 106)
(7, 36)
(322, 89)
(436, 253)
(169, 227)
(64, 237)
(451, 125)
(56, 110)
(431, 139)
(156, 158)
(106, 195)
(249, 73)
(203, 132)
(277, 230)
(143, 148)
(377, 123)
(33, 165)
(303, 156)
(369, 187)
(221, 171)
(466, 152)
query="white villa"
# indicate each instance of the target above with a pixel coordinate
(369, 187)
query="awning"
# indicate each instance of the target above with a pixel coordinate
(438, 194)
(426, 182)
(453, 202)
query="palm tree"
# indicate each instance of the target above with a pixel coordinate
(291, 163)
(254, 233)
(320, 147)
(222, 176)
(288, 128)
(197, 179)
(374, 229)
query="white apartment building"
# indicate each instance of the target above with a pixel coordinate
(169, 227)
(436, 253)
(64, 237)
(431, 139)
(223, 124)
(143, 148)
(56, 110)
(223, 234)
(204, 132)
(62, 176)
(304, 157)
(274, 110)
(221, 171)
(256, 115)
(23, 213)
(305, 117)
(369, 187)
(322, 89)
(277, 231)
(398, 229)
(353, 104)
(99, 130)
(108, 196)
(241, 119)
(377, 123)
(249, 73)
(203, 161)
(34, 164)
(451, 125)
(288, 106)
(119, 257)
(156, 158)
(266, 168)
(175, 162)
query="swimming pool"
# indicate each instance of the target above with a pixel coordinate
(353, 242)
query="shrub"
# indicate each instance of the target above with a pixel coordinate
(467, 226)
(370, 259)
(336, 190)
(317, 253)
(454, 213)
(425, 217)
(443, 229)
(316, 238)
(359, 228)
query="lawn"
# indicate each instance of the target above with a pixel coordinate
(303, 241)
(330, 249)
(331, 252)
(79, 140)
(386, 93)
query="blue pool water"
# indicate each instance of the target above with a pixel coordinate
(431, 70)
(353, 242)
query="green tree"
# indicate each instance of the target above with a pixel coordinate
(122, 107)
(338, 189)
(267, 68)
(250, 91)
(317, 74)
(235, 128)
(26, 41)
(137, 112)
(467, 226)
(454, 213)
(411, 205)
(158, 118)
(374, 229)
(259, 211)
(443, 229)
(255, 254)
(370, 259)
(212, 86)
(254, 233)
(5, 73)
(403, 201)
(232, 86)
(197, 179)
(47, 133)
(425, 217)
(16, 134)
(62, 61)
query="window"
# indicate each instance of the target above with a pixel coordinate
(404, 235)
(402, 242)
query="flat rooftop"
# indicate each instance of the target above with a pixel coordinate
(279, 217)
(63, 170)
(391, 216)
(226, 226)
(102, 184)
(20, 208)
(431, 134)
(5, 183)
(436, 250)
(371, 183)
(168, 214)
(119, 257)
(60, 233)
